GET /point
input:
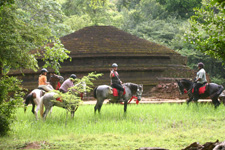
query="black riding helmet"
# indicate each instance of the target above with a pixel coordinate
(73, 76)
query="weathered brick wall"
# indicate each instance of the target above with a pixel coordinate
(140, 61)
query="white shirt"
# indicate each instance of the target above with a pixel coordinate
(201, 75)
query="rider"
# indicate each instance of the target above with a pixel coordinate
(68, 83)
(116, 82)
(200, 80)
(42, 81)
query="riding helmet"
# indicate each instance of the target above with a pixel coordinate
(73, 76)
(114, 65)
(44, 70)
(201, 65)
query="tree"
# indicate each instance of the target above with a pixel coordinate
(128, 4)
(183, 8)
(6, 2)
(17, 40)
(45, 13)
(207, 32)
(97, 10)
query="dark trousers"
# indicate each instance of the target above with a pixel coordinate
(196, 88)
(118, 87)
(62, 91)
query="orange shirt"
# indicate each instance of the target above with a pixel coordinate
(42, 80)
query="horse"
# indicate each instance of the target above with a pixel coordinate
(103, 92)
(49, 100)
(212, 90)
(35, 95)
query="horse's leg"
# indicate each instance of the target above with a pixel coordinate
(98, 105)
(50, 112)
(47, 109)
(73, 110)
(125, 106)
(33, 107)
(189, 100)
(36, 111)
(215, 101)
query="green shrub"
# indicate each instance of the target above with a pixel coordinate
(11, 96)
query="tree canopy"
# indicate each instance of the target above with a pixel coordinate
(207, 30)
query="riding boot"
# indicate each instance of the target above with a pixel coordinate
(196, 96)
(120, 96)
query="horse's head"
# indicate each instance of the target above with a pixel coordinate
(180, 87)
(139, 91)
(54, 79)
(184, 85)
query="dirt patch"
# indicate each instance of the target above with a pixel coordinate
(35, 145)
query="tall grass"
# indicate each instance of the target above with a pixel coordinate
(172, 126)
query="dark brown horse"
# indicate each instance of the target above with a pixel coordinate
(212, 90)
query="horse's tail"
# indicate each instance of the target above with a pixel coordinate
(41, 107)
(29, 99)
(95, 96)
(220, 90)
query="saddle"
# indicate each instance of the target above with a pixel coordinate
(42, 89)
(201, 90)
(115, 92)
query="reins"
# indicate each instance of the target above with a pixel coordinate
(133, 97)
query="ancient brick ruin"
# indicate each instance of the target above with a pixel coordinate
(140, 61)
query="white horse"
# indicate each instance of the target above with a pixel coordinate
(49, 100)
(34, 97)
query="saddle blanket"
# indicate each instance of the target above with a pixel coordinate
(201, 89)
(59, 99)
(115, 92)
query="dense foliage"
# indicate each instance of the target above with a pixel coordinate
(23, 30)
(11, 96)
(207, 30)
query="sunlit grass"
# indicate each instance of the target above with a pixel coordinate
(172, 126)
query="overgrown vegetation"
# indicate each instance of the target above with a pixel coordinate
(22, 31)
(11, 96)
(172, 126)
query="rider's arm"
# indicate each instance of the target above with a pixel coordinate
(45, 81)
(112, 74)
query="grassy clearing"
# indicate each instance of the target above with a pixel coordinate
(172, 126)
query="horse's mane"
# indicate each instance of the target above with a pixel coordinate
(186, 83)
(132, 86)
(186, 80)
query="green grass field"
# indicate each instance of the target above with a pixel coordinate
(172, 126)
